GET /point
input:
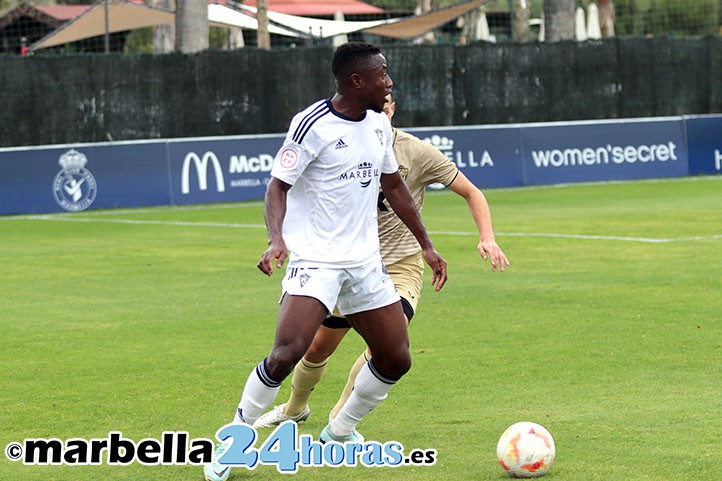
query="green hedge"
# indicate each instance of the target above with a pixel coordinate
(90, 98)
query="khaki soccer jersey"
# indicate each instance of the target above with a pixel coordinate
(420, 165)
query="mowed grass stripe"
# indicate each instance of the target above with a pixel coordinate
(431, 232)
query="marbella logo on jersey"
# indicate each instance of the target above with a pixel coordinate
(364, 173)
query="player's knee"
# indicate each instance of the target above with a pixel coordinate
(403, 365)
(317, 353)
(282, 360)
(395, 365)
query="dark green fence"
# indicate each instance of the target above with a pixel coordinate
(72, 99)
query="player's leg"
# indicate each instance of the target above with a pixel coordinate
(368, 297)
(298, 320)
(312, 366)
(364, 358)
(309, 295)
(307, 374)
(327, 339)
(361, 361)
(407, 276)
(384, 330)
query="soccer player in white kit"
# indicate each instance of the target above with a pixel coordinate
(321, 207)
(420, 164)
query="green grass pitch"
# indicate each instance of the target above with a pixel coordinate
(606, 329)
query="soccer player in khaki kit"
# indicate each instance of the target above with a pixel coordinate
(321, 207)
(420, 165)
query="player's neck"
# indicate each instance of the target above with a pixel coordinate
(348, 107)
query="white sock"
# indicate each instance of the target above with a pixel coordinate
(258, 395)
(369, 390)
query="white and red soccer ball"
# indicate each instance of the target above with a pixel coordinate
(526, 450)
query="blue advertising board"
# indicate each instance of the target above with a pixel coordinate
(704, 141)
(592, 151)
(229, 169)
(221, 170)
(129, 175)
(74, 178)
(488, 156)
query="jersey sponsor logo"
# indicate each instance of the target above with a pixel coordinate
(74, 187)
(288, 158)
(201, 165)
(364, 173)
(341, 144)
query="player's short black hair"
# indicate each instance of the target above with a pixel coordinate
(350, 55)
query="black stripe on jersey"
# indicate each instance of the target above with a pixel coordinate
(452, 180)
(305, 125)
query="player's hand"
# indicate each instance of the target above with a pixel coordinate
(438, 267)
(276, 251)
(490, 250)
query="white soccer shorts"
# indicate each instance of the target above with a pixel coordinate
(354, 289)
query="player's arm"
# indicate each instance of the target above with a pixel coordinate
(274, 210)
(399, 197)
(481, 213)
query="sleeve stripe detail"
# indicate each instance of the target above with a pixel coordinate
(452, 180)
(305, 125)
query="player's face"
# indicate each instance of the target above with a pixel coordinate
(389, 107)
(377, 83)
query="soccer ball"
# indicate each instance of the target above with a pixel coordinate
(525, 450)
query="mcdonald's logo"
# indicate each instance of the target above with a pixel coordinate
(201, 165)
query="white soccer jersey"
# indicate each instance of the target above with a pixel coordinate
(334, 165)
